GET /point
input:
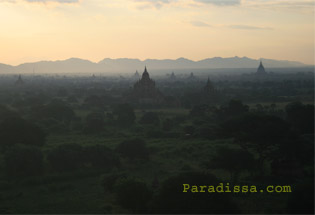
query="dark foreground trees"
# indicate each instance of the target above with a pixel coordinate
(133, 194)
(261, 133)
(133, 149)
(23, 161)
(172, 200)
(15, 130)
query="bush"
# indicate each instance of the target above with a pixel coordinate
(133, 195)
(234, 161)
(124, 115)
(301, 200)
(150, 118)
(16, 130)
(56, 109)
(153, 132)
(172, 200)
(100, 156)
(94, 122)
(66, 157)
(301, 117)
(133, 149)
(108, 180)
(23, 161)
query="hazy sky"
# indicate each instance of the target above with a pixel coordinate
(32, 30)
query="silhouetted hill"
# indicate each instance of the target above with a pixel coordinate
(76, 65)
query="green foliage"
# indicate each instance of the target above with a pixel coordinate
(133, 149)
(100, 156)
(15, 130)
(208, 131)
(301, 200)
(172, 200)
(258, 131)
(201, 110)
(301, 117)
(94, 101)
(124, 114)
(7, 113)
(150, 118)
(133, 194)
(66, 157)
(56, 109)
(233, 109)
(23, 161)
(94, 123)
(233, 160)
(108, 180)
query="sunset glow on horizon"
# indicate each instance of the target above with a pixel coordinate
(35, 30)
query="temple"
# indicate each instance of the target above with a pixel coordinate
(172, 77)
(145, 91)
(19, 81)
(261, 69)
(209, 88)
(136, 76)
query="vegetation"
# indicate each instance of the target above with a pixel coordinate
(84, 145)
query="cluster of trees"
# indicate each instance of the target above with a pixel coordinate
(137, 196)
(22, 160)
(268, 143)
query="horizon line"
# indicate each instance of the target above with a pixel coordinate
(161, 59)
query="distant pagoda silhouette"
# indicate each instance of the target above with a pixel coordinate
(192, 77)
(145, 91)
(136, 76)
(172, 77)
(19, 81)
(261, 69)
(209, 88)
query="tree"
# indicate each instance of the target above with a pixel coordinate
(301, 117)
(15, 130)
(150, 118)
(56, 109)
(23, 161)
(263, 134)
(93, 101)
(172, 200)
(66, 157)
(168, 124)
(201, 110)
(301, 200)
(94, 122)
(233, 160)
(100, 156)
(133, 194)
(133, 149)
(124, 114)
(233, 109)
(6, 113)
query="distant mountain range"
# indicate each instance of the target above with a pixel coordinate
(126, 65)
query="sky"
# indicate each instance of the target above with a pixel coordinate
(34, 30)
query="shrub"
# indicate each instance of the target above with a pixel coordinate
(150, 118)
(133, 149)
(94, 122)
(124, 115)
(100, 156)
(15, 130)
(23, 161)
(172, 200)
(66, 157)
(133, 194)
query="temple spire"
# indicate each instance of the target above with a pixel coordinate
(261, 69)
(145, 74)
